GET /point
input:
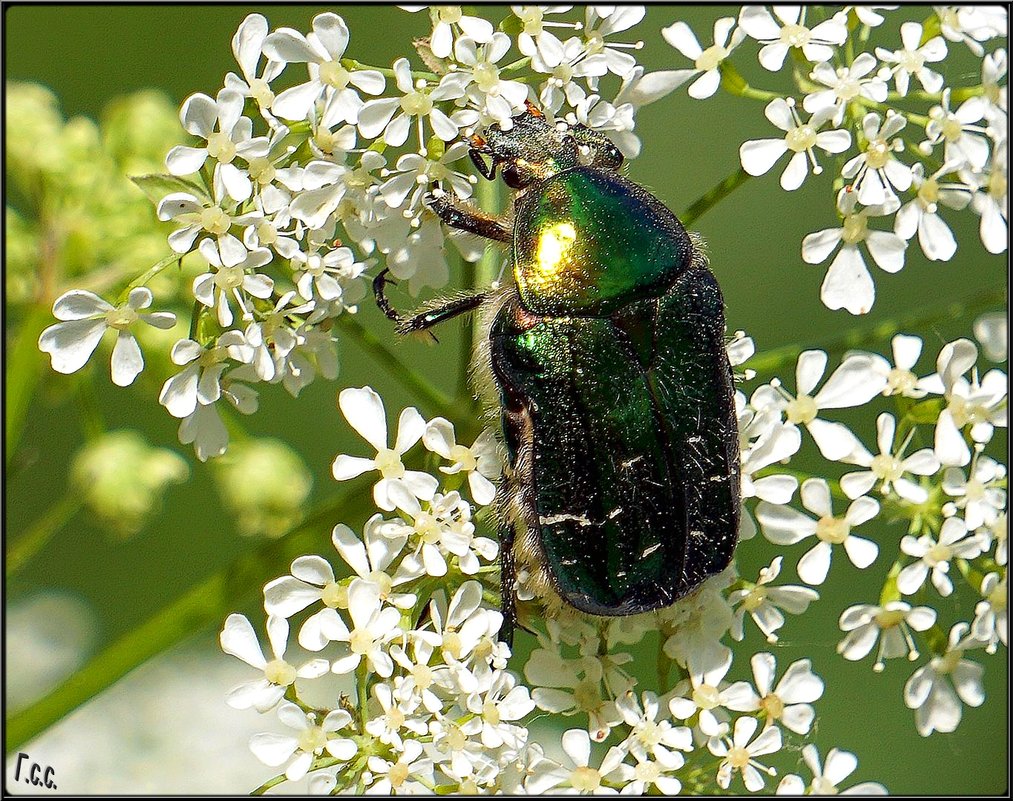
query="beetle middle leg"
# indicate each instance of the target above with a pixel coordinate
(423, 320)
(456, 214)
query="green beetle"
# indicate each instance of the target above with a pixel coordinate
(607, 355)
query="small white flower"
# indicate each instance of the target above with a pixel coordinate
(449, 21)
(858, 379)
(534, 39)
(310, 741)
(786, 29)
(207, 216)
(888, 467)
(890, 624)
(706, 695)
(912, 57)
(602, 21)
(991, 619)
(921, 214)
(972, 24)
(495, 98)
(764, 603)
(248, 47)
(414, 175)
(238, 639)
(981, 497)
(364, 411)
(935, 690)
(481, 461)
(954, 542)
(900, 378)
(876, 173)
(847, 284)
(561, 85)
(649, 738)
(325, 276)
(498, 701)
(839, 765)
(199, 383)
(992, 332)
(786, 526)
(739, 753)
(578, 774)
(759, 155)
(568, 687)
(789, 703)
(231, 280)
(86, 317)
(393, 117)
(991, 201)
(965, 144)
(706, 63)
(395, 715)
(329, 80)
(844, 85)
(409, 775)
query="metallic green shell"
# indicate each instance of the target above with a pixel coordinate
(588, 241)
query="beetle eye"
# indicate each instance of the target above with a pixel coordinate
(516, 178)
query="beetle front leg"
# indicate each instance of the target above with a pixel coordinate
(508, 584)
(456, 214)
(423, 320)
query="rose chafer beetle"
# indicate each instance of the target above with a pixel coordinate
(607, 364)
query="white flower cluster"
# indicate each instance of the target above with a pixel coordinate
(904, 154)
(310, 168)
(952, 495)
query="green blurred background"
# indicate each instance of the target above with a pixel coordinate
(91, 54)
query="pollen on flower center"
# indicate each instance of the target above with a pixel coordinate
(334, 595)
(261, 170)
(856, 228)
(877, 154)
(417, 104)
(911, 60)
(997, 599)
(531, 16)
(586, 695)
(563, 73)
(490, 712)
(890, 618)
(279, 672)
(647, 771)
(486, 76)
(974, 490)
(261, 92)
(333, 74)
(886, 467)
(267, 233)
(423, 675)
(899, 380)
(928, 192)
(848, 88)
(795, 35)
(383, 581)
(398, 774)
(121, 319)
(452, 644)
(586, 779)
(450, 14)
(738, 757)
(312, 739)
(221, 147)
(756, 598)
(464, 457)
(773, 706)
(710, 58)
(800, 138)
(997, 185)
(834, 530)
(938, 553)
(388, 462)
(360, 641)
(214, 220)
(706, 696)
(230, 277)
(802, 409)
(395, 718)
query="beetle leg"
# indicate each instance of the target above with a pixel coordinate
(456, 214)
(423, 320)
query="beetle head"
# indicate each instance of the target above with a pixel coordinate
(534, 149)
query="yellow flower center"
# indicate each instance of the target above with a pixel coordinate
(997, 599)
(388, 462)
(948, 662)
(888, 619)
(997, 185)
(383, 581)
(756, 598)
(802, 409)
(855, 229)
(221, 147)
(911, 60)
(490, 712)
(333, 74)
(214, 220)
(974, 490)
(795, 35)
(585, 779)
(834, 530)
(395, 718)
(229, 278)
(899, 381)
(710, 58)
(452, 644)
(928, 192)
(951, 128)
(706, 696)
(312, 740)
(848, 88)
(416, 104)
(423, 675)
(121, 319)
(267, 233)
(486, 76)
(279, 672)
(450, 14)
(398, 774)
(360, 641)
(334, 595)
(938, 553)
(587, 695)
(877, 154)
(738, 757)
(886, 467)
(647, 772)
(262, 170)
(456, 738)
(800, 138)
(773, 706)
(464, 456)
(261, 92)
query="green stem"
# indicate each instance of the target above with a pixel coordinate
(268, 785)
(146, 276)
(706, 202)
(362, 688)
(773, 360)
(24, 366)
(203, 605)
(28, 545)
(352, 64)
